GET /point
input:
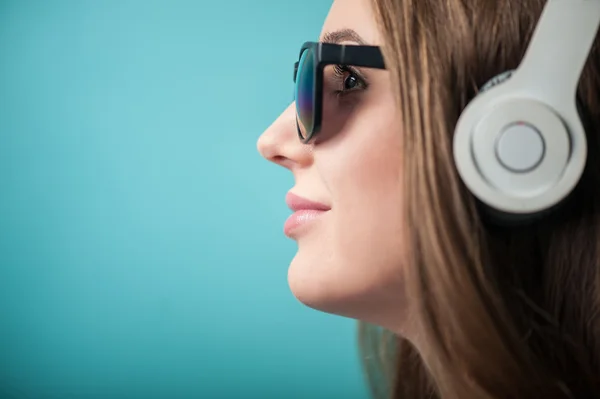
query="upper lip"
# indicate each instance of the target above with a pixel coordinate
(297, 203)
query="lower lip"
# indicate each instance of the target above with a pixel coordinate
(300, 218)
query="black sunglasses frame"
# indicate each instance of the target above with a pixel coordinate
(333, 54)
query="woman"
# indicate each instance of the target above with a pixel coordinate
(388, 234)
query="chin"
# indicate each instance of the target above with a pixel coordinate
(321, 286)
(344, 288)
(313, 286)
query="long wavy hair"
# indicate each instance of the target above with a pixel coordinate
(503, 313)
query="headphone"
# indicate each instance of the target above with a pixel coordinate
(520, 144)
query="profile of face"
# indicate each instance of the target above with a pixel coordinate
(350, 248)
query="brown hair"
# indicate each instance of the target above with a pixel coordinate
(503, 313)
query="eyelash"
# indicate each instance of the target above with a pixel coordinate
(340, 72)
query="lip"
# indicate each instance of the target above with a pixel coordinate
(297, 203)
(305, 212)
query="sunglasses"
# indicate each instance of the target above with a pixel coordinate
(308, 78)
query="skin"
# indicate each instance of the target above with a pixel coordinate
(350, 259)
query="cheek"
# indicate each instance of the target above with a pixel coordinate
(368, 200)
(365, 181)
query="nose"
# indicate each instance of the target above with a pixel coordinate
(280, 143)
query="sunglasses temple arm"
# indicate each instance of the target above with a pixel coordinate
(295, 70)
(295, 74)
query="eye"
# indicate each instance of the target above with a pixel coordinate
(351, 82)
(348, 79)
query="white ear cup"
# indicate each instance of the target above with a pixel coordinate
(520, 146)
(516, 155)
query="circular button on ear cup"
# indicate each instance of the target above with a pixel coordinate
(520, 147)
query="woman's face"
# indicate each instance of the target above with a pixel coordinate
(350, 257)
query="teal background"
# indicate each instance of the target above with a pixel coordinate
(141, 244)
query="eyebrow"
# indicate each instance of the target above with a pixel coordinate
(343, 35)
